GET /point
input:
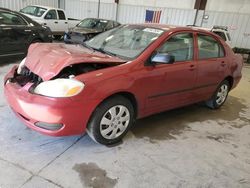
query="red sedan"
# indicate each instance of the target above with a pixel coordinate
(119, 76)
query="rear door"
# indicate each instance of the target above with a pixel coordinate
(52, 21)
(211, 63)
(171, 85)
(14, 34)
(62, 22)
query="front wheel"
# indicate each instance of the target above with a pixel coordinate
(111, 120)
(219, 96)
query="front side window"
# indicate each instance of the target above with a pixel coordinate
(11, 19)
(34, 11)
(51, 15)
(127, 41)
(208, 47)
(180, 46)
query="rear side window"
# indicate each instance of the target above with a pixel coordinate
(61, 15)
(116, 24)
(180, 46)
(51, 15)
(11, 19)
(208, 47)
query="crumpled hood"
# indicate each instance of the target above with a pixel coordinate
(84, 30)
(47, 60)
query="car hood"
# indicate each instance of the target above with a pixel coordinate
(85, 30)
(47, 60)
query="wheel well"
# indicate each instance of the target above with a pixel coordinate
(130, 97)
(230, 80)
(37, 39)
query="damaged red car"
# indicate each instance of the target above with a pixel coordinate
(127, 73)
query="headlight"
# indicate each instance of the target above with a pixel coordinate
(20, 66)
(61, 87)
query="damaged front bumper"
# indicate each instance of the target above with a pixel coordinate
(50, 116)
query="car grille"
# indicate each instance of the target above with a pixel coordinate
(26, 76)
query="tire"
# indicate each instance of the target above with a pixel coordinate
(220, 96)
(57, 37)
(111, 120)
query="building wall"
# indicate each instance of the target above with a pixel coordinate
(19, 4)
(236, 6)
(232, 13)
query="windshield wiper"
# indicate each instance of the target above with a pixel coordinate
(105, 52)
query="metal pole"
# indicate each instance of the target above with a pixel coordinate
(197, 11)
(98, 13)
(116, 13)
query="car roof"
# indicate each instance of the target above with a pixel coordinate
(46, 7)
(167, 27)
(101, 19)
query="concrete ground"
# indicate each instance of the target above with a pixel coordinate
(188, 147)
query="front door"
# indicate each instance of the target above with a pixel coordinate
(171, 85)
(14, 33)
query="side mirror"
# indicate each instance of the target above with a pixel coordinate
(163, 58)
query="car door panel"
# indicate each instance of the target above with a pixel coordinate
(172, 85)
(211, 70)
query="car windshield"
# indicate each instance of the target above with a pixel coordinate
(127, 41)
(34, 11)
(93, 24)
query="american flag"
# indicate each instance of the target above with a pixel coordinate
(153, 16)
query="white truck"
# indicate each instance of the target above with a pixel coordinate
(54, 18)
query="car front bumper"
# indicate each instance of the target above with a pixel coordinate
(50, 116)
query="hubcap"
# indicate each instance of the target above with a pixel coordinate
(114, 122)
(222, 94)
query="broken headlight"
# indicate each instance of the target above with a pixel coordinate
(61, 87)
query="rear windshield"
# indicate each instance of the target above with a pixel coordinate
(93, 24)
(34, 11)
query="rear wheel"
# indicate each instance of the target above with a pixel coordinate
(219, 96)
(111, 120)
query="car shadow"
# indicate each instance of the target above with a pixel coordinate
(166, 124)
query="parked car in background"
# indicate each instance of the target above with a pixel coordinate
(87, 29)
(222, 31)
(54, 18)
(18, 31)
(118, 76)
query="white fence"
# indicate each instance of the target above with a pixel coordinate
(18, 4)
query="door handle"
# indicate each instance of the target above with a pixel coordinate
(55, 22)
(191, 67)
(66, 22)
(27, 30)
(7, 28)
